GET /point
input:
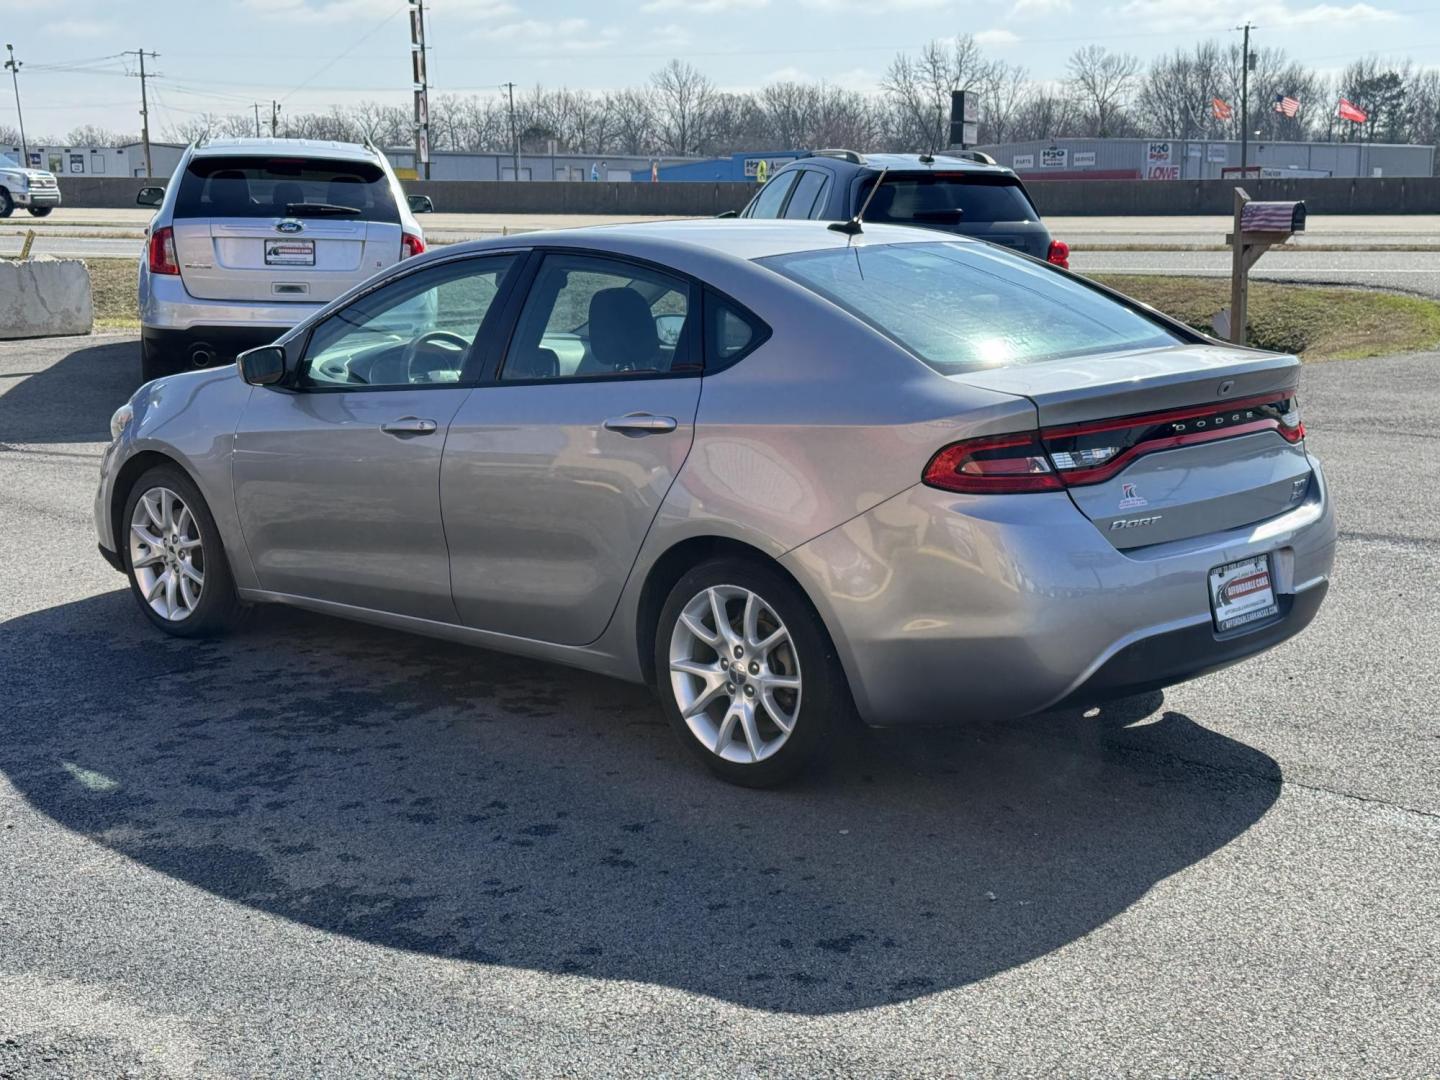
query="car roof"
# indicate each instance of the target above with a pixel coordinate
(323, 148)
(903, 163)
(740, 238)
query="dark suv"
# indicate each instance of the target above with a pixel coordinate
(954, 194)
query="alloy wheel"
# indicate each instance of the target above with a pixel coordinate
(166, 554)
(735, 674)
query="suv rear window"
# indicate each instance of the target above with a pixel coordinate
(239, 187)
(935, 198)
(966, 306)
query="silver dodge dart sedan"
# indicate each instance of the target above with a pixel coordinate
(784, 473)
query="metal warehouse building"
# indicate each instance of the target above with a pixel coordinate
(1205, 159)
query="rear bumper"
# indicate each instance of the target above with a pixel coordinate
(165, 305)
(206, 345)
(945, 607)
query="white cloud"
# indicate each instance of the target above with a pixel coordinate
(81, 28)
(872, 7)
(340, 10)
(703, 7)
(997, 36)
(1023, 9)
(553, 35)
(787, 74)
(1184, 14)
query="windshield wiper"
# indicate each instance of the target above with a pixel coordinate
(319, 208)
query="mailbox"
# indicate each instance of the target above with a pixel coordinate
(1272, 217)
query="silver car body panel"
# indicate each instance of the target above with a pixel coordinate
(808, 451)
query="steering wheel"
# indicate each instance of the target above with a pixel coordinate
(442, 338)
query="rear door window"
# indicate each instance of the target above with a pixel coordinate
(808, 191)
(947, 199)
(767, 203)
(256, 186)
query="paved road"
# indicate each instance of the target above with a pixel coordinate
(324, 850)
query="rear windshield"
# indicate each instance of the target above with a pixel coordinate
(940, 199)
(967, 306)
(237, 187)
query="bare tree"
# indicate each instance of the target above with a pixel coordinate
(683, 99)
(1102, 83)
(919, 87)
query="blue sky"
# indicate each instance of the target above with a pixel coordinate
(221, 55)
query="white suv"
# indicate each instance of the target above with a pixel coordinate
(252, 235)
(35, 189)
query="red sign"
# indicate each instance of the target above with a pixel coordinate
(1163, 172)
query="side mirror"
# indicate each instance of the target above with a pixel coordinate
(668, 328)
(150, 196)
(264, 366)
(728, 214)
(420, 204)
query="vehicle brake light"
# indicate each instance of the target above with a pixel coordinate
(993, 465)
(162, 251)
(410, 244)
(1059, 254)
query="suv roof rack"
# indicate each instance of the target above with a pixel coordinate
(973, 155)
(844, 155)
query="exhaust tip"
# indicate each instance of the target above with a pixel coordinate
(202, 355)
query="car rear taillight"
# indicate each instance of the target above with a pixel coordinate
(1074, 455)
(410, 244)
(993, 465)
(162, 251)
(1059, 254)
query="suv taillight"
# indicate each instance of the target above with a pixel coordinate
(410, 244)
(1059, 254)
(162, 251)
(993, 465)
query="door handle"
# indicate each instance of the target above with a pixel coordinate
(637, 424)
(410, 425)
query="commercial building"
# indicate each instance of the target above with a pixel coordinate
(127, 160)
(1206, 159)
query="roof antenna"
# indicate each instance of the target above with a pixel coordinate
(852, 227)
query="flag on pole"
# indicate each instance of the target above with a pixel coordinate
(1286, 105)
(1348, 111)
(1220, 110)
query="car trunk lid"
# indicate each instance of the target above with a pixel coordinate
(1162, 444)
(280, 260)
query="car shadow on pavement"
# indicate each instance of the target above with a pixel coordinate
(70, 400)
(468, 805)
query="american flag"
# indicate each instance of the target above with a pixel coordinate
(1286, 104)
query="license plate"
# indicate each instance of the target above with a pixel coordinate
(1242, 593)
(289, 252)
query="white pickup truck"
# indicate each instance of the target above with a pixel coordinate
(35, 189)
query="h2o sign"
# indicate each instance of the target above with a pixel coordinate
(1054, 157)
(1158, 153)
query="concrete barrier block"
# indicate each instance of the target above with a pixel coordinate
(45, 297)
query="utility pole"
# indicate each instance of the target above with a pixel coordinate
(422, 87)
(274, 119)
(144, 104)
(257, 119)
(1245, 102)
(514, 138)
(15, 66)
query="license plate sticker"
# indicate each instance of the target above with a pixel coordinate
(1242, 593)
(289, 252)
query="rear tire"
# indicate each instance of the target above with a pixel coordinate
(7, 204)
(40, 211)
(174, 556)
(746, 672)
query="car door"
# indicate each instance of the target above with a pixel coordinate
(555, 468)
(337, 474)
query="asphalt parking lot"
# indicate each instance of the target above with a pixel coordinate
(321, 849)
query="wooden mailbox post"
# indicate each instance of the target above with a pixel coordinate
(1258, 227)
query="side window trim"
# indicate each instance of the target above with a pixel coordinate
(690, 347)
(817, 211)
(468, 376)
(713, 300)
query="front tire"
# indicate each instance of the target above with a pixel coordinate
(7, 204)
(174, 557)
(746, 673)
(40, 211)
